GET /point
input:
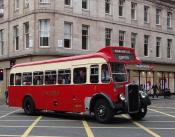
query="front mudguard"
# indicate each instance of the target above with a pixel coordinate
(146, 101)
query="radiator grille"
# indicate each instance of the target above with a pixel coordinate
(132, 92)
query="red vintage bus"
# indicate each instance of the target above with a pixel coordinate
(96, 83)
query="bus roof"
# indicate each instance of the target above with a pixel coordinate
(107, 53)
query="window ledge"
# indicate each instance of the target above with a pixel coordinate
(44, 47)
(68, 6)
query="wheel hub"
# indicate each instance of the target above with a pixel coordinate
(101, 110)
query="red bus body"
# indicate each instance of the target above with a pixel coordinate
(72, 97)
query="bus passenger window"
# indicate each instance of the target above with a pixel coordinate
(12, 79)
(105, 77)
(18, 79)
(38, 78)
(64, 76)
(80, 75)
(94, 74)
(27, 78)
(50, 77)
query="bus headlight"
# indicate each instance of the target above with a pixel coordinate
(143, 94)
(122, 97)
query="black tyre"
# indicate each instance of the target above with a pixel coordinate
(29, 106)
(103, 111)
(141, 114)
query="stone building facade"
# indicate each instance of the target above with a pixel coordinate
(33, 30)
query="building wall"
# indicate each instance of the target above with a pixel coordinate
(95, 18)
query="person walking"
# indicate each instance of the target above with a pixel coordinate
(155, 88)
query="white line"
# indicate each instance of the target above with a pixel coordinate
(10, 135)
(162, 113)
(9, 113)
(46, 136)
(163, 128)
(162, 107)
(14, 120)
(157, 121)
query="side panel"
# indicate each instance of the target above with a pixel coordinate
(69, 98)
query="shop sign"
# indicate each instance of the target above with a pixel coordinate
(145, 66)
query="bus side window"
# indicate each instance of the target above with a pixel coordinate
(64, 76)
(12, 79)
(38, 78)
(18, 79)
(80, 75)
(105, 77)
(94, 74)
(27, 78)
(50, 77)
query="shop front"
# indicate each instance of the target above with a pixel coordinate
(147, 75)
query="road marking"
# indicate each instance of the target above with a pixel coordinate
(157, 121)
(88, 130)
(46, 136)
(9, 135)
(9, 113)
(162, 107)
(161, 112)
(143, 127)
(14, 120)
(27, 132)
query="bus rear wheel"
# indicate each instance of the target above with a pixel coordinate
(103, 112)
(29, 106)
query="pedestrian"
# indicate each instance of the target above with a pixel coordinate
(155, 88)
(6, 96)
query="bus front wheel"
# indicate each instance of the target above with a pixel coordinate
(141, 114)
(29, 106)
(103, 112)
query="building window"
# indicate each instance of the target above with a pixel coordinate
(26, 34)
(1, 4)
(146, 44)
(85, 4)
(169, 45)
(26, 4)
(67, 2)
(85, 37)
(44, 32)
(16, 37)
(158, 16)
(67, 35)
(121, 7)
(133, 10)
(169, 19)
(16, 5)
(1, 42)
(108, 36)
(158, 44)
(146, 14)
(44, 1)
(107, 6)
(133, 40)
(121, 38)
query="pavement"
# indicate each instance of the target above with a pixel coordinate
(159, 122)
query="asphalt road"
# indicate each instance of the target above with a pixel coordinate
(160, 121)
